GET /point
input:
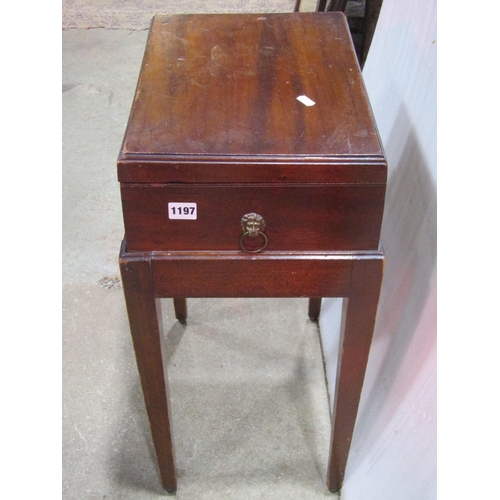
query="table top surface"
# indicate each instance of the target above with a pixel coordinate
(226, 85)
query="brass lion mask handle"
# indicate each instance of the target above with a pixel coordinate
(252, 226)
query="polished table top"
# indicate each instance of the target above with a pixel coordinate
(214, 85)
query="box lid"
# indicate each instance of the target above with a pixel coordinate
(252, 96)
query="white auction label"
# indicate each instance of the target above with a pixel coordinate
(182, 211)
(305, 100)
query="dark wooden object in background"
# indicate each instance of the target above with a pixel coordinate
(370, 19)
(323, 5)
(216, 122)
(361, 30)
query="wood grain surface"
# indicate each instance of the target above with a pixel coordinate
(227, 85)
(232, 274)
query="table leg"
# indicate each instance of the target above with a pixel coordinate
(180, 307)
(358, 321)
(314, 308)
(144, 314)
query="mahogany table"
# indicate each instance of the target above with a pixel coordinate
(251, 167)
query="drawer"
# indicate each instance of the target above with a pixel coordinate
(311, 217)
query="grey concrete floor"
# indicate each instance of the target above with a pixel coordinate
(249, 401)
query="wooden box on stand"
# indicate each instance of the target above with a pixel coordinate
(251, 167)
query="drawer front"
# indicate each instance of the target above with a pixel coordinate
(297, 217)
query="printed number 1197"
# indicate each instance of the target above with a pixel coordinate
(182, 211)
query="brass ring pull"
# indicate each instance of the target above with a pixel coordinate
(252, 225)
(246, 233)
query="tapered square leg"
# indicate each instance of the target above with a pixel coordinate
(314, 308)
(144, 315)
(180, 307)
(358, 322)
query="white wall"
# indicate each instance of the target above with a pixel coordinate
(393, 453)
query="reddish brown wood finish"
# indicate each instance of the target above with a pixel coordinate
(158, 169)
(298, 217)
(356, 276)
(144, 313)
(215, 121)
(358, 322)
(226, 274)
